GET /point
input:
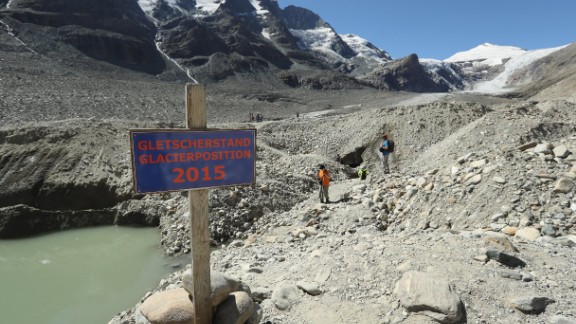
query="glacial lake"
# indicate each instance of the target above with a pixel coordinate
(80, 276)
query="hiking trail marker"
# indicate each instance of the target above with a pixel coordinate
(194, 159)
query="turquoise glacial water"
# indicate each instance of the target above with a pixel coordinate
(79, 276)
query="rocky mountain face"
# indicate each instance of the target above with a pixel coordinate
(408, 74)
(298, 18)
(211, 41)
(116, 32)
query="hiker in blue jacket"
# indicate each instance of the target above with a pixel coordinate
(385, 149)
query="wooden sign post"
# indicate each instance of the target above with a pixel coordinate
(199, 230)
(194, 159)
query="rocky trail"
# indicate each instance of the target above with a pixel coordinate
(333, 263)
(486, 236)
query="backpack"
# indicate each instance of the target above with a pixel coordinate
(321, 178)
(390, 146)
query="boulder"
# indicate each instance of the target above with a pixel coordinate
(499, 241)
(527, 234)
(423, 293)
(510, 230)
(531, 305)
(259, 294)
(563, 185)
(221, 285)
(236, 309)
(169, 307)
(561, 151)
(311, 288)
(474, 180)
(283, 297)
(478, 164)
(544, 148)
(505, 258)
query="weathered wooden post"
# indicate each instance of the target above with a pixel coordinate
(194, 159)
(199, 229)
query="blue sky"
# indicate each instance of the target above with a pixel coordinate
(440, 28)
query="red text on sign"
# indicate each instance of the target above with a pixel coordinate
(192, 174)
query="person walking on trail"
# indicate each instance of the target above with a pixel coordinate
(362, 173)
(324, 178)
(386, 149)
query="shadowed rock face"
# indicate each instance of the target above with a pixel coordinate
(117, 32)
(228, 43)
(405, 75)
(47, 182)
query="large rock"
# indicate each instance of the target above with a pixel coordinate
(236, 309)
(505, 258)
(527, 234)
(283, 297)
(474, 180)
(221, 285)
(563, 185)
(169, 307)
(499, 241)
(311, 288)
(424, 293)
(260, 293)
(531, 305)
(561, 151)
(543, 148)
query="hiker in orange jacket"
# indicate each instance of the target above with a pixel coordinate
(324, 178)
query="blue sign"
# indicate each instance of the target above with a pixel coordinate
(170, 160)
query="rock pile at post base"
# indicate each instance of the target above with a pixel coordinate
(231, 302)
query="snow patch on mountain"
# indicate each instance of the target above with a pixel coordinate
(364, 48)
(203, 7)
(208, 7)
(259, 9)
(266, 33)
(319, 39)
(149, 5)
(487, 54)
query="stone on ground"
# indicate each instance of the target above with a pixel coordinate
(220, 284)
(283, 297)
(531, 305)
(423, 293)
(236, 309)
(169, 307)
